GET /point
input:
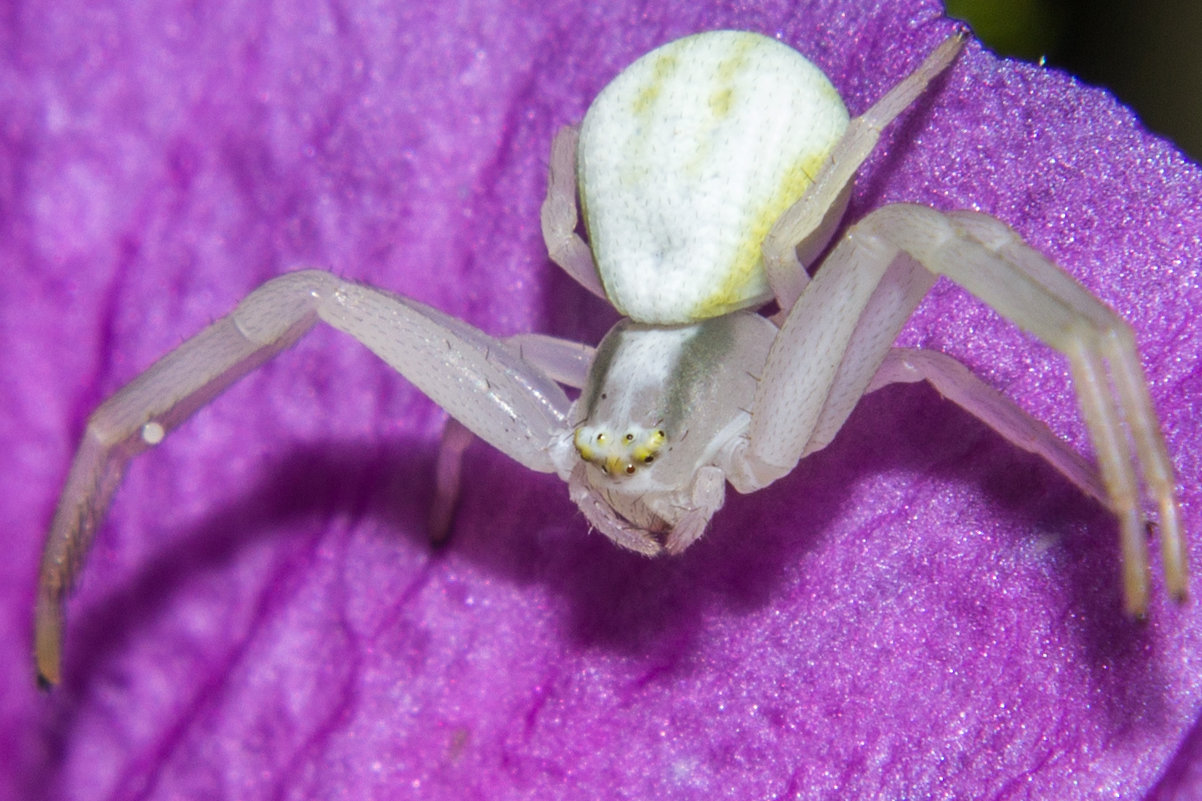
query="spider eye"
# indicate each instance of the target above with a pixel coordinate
(616, 452)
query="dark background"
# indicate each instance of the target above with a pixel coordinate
(1148, 52)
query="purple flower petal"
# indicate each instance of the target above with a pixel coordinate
(920, 611)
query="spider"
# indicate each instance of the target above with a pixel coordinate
(712, 173)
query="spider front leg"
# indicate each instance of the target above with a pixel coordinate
(563, 361)
(484, 383)
(837, 336)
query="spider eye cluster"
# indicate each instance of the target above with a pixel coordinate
(619, 453)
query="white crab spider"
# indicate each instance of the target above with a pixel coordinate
(710, 171)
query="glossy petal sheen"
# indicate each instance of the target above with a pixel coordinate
(920, 611)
